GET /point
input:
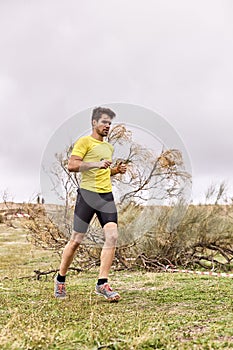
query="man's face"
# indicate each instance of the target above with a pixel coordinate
(102, 127)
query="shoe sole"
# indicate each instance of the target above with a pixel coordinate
(114, 299)
(58, 297)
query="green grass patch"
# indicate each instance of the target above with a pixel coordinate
(157, 310)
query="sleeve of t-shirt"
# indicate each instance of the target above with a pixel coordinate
(80, 148)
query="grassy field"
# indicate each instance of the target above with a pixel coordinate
(157, 310)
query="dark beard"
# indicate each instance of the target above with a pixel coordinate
(103, 134)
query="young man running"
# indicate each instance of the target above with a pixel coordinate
(92, 156)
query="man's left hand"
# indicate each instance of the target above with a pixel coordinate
(121, 168)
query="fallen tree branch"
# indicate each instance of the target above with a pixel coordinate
(39, 273)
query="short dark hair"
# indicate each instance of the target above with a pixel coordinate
(98, 111)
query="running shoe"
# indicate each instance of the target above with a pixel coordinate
(106, 291)
(59, 289)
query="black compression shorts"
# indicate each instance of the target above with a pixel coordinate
(89, 203)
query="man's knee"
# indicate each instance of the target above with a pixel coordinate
(75, 239)
(111, 232)
(72, 245)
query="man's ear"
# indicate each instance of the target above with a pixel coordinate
(94, 122)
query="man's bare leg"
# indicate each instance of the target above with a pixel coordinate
(69, 252)
(108, 250)
(107, 256)
(67, 258)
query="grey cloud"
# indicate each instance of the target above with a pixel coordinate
(59, 58)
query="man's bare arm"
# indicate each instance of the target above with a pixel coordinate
(76, 164)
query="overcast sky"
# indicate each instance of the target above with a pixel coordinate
(61, 57)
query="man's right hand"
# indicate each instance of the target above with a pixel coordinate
(104, 164)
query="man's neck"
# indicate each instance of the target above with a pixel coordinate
(97, 136)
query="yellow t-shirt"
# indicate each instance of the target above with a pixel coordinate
(92, 150)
